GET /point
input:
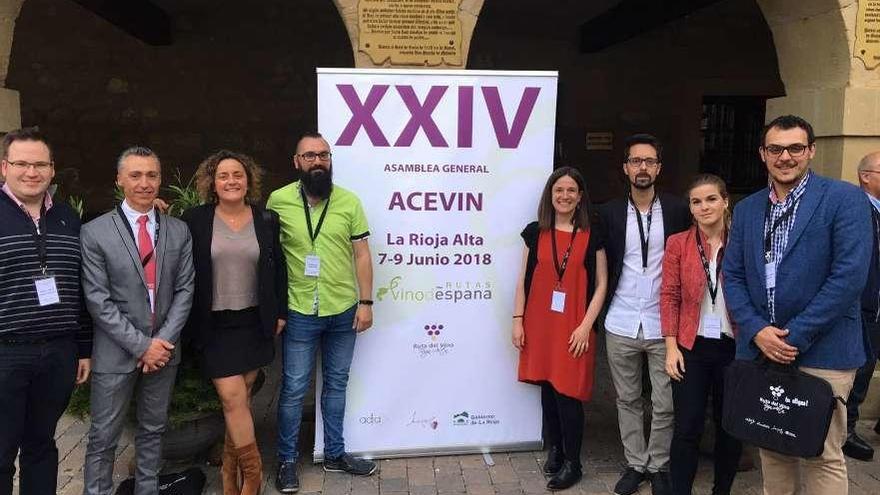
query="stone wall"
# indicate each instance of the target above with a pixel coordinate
(237, 76)
(10, 109)
(242, 76)
(653, 83)
(824, 82)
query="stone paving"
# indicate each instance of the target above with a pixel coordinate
(497, 473)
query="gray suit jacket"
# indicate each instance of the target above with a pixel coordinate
(116, 291)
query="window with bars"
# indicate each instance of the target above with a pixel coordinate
(731, 134)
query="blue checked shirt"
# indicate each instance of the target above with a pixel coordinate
(779, 239)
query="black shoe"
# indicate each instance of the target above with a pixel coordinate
(660, 483)
(569, 474)
(877, 427)
(857, 448)
(351, 465)
(554, 461)
(629, 482)
(286, 480)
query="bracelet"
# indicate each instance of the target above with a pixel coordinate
(366, 302)
(517, 316)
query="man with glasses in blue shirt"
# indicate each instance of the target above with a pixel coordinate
(794, 269)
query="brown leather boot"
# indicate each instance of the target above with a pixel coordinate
(229, 470)
(251, 466)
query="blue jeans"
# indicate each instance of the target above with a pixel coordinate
(301, 338)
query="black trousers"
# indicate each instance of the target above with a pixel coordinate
(863, 375)
(704, 376)
(36, 381)
(563, 421)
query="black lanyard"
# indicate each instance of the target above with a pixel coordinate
(39, 234)
(643, 235)
(560, 268)
(307, 209)
(145, 259)
(768, 236)
(713, 289)
(149, 255)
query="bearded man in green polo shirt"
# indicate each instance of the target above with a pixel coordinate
(324, 237)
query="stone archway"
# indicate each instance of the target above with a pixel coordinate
(824, 82)
(10, 108)
(814, 42)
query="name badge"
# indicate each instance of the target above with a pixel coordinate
(770, 274)
(558, 302)
(47, 291)
(313, 265)
(712, 326)
(644, 287)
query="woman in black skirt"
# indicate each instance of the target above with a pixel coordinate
(240, 301)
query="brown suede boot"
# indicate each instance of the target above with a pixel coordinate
(251, 469)
(229, 469)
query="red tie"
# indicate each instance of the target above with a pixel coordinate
(148, 258)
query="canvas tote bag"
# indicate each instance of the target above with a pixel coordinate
(777, 407)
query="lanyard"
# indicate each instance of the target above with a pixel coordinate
(560, 269)
(769, 234)
(39, 234)
(307, 210)
(713, 288)
(149, 255)
(145, 259)
(644, 235)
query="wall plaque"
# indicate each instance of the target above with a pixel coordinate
(868, 33)
(600, 141)
(410, 32)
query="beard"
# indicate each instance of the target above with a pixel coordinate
(642, 181)
(318, 181)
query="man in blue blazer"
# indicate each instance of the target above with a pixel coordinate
(794, 269)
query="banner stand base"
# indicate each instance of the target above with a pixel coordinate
(434, 451)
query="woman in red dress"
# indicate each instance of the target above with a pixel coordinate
(561, 287)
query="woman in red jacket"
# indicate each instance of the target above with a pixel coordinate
(699, 335)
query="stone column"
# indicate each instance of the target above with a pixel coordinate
(10, 108)
(824, 80)
(468, 12)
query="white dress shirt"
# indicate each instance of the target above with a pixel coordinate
(720, 308)
(132, 216)
(628, 311)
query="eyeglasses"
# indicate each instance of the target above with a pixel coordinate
(23, 165)
(794, 150)
(869, 171)
(311, 156)
(637, 161)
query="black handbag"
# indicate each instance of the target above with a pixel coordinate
(777, 407)
(189, 482)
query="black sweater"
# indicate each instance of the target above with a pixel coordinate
(21, 316)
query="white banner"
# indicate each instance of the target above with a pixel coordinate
(449, 166)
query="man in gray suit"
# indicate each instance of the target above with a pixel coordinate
(138, 284)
